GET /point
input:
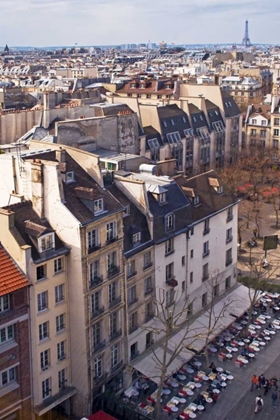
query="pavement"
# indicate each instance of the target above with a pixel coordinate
(237, 402)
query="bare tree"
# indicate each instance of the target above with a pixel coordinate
(212, 312)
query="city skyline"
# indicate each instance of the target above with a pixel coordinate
(51, 22)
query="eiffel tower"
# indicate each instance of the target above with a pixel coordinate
(246, 40)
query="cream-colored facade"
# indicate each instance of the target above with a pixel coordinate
(49, 321)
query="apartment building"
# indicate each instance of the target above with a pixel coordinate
(15, 374)
(49, 315)
(257, 127)
(212, 238)
(275, 123)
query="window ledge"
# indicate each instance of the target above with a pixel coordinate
(43, 311)
(8, 346)
(9, 388)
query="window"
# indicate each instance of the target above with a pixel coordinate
(132, 295)
(45, 359)
(131, 270)
(60, 322)
(228, 282)
(204, 300)
(216, 290)
(183, 285)
(96, 334)
(183, 260)
(228, 256)
(62, 378)
(46, 242)
(170, 297)
(61, 348)
(191, 254)
(253, 132)
(92, 240)
(276, 121)
(94, 273)
(205, 272)
(46, 388)
(43, 331)
(263, 122)
(95, 302)
(41, 272)
(134, 350)
(148, 285)
(229, 235)
(206, 249)
(196, 200)
(275, 144)
(169, 246)
(262, 133)
(126, 210)
(133, 324)
(169, 271)
(42, 301)
(169, 222)
(184, 120)
(136, 239)
(149, 311)
(4, 303)
(148, 96)
(98, 367)
(191, 277)
(276, 132)
(7, 376)
(59, 293)
(112, 291)
(98, 206)
(139, 95)
(112, 263)
(206, 226)
(114, 323)
(189, 132)
(159, 96)
(6, 334)
(229, 214)
(114, 355)
(58, 265)
(254, 121)
(147, 259)
(111, 231)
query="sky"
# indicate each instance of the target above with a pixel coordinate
(42, 23)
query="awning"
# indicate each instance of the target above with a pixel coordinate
(100, 415)
(224, 313)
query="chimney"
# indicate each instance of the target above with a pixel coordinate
(60, 155)
(7, 219)
(37, 185)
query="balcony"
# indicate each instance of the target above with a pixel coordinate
(131, 275)
(99, 346)
(172, 282)
(98, 312)
(93, 248)
(148, 291)
(133, 328)
(205, 277)
(132, 301)
(148, 317)
(113, 271)
(115, 301)
(134, 355)
(111, 240)
(147, 266)
(116, 367)
(98, 379)
(115, 335)
(95, 281)
(229, 239)
(228, 261)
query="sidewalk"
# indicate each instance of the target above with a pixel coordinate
(237, 402)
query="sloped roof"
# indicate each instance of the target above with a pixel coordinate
(11, 278)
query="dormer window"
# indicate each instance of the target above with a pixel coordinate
(136, 239)
(169, 222)
(196, 201)
(70, 177)
(46, 242)
(98, 206)
(220, 189)
(162, 198)
(126, 210)
(133, 85)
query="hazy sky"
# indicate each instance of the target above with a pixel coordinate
(95, 22)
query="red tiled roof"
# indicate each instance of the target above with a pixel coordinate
(11, 278)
